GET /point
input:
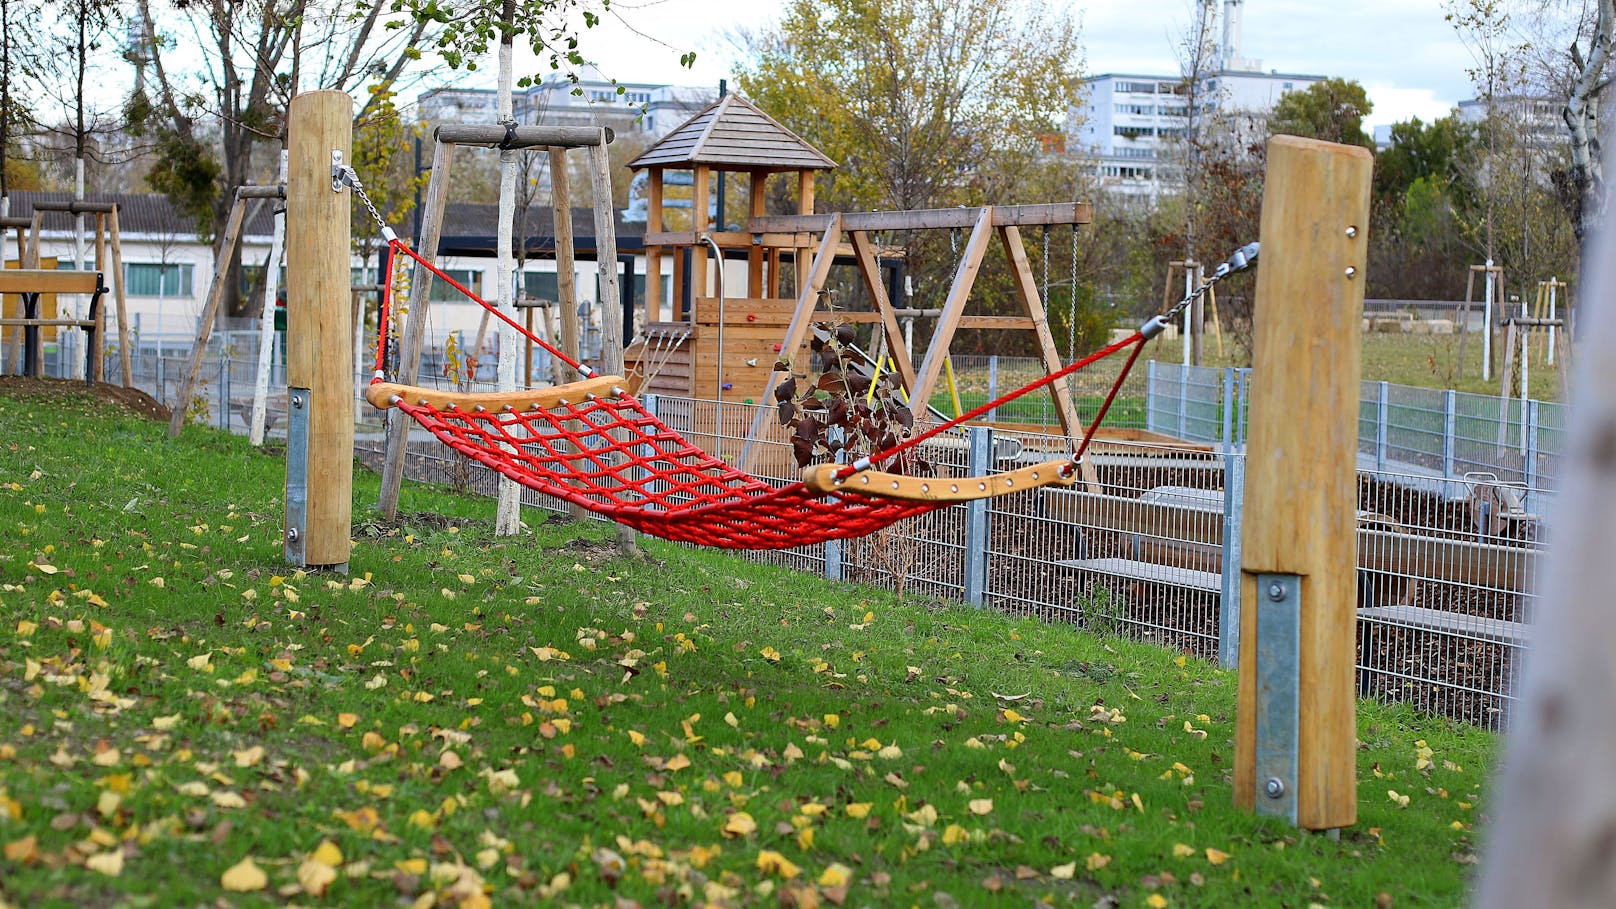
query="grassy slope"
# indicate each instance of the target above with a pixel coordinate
(520, 720)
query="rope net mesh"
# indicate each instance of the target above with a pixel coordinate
(613, 457)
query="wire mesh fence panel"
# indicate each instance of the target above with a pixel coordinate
(1132, 550)
(1446, 593)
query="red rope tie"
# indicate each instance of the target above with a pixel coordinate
(580, 368)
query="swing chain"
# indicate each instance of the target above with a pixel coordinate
(1242, 259)
(347, 175)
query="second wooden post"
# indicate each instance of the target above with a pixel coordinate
(1295, 738)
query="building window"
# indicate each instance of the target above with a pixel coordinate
(443, 292)
(158, 279)
(1138, 110)
(1141, 88)
(541, 285)
(1287, 87)
(1132, 132)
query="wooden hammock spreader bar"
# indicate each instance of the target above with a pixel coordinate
(822, 478)
(381, 394)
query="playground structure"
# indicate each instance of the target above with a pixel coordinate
(1296, 630)
(33, 289)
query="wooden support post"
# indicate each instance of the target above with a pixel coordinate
(566, 263)
(700, 288)
(805, 206)
(802, 320)
(119, 297)
(418, 303)
(611, 300)
(653, 255)
(864, 251)
(210, 312)
(954, 307)
(319, 356)
(756, 197)
(1295, 748)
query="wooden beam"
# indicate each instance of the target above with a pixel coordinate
(653, 254)
(493, 135)
(47, 281)
(934, 218)
(566, 266)
(756, 197)
(864, 251)
(964, 277)
(419, 303)
(797, 332)
(210, 312)
(1301, 482)
(698, 225)
(1033, 306)
(74, 206)
(382, 395)
(821, 478)
(805, 207)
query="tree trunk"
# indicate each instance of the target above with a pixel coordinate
(1586, 189)
(1551, 842)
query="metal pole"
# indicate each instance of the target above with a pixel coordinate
(1150, 395)
(993, 385)
(1382, 423)
(1487, 323)
(1554, 284)
(980, 440)
(1450, 423)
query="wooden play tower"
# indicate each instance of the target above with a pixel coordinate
(710, 342)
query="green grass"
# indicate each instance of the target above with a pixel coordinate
(535, 721)
(1427, 361)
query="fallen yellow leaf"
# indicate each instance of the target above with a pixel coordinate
(314, 877)
(771, 862)
(327, 853)
(1096, 861)
(1064, 872)
(981, 806)
(740, 824)
(1182, 851)
(1216, 856)
(244, 877)
(835, 874)
(107, 863)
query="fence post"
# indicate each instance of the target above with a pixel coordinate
(1183, 399)
(976, 516)
(1450, 426)
(833, 548)
(1296, 722)
(1383, 393)
(993, 385)
(1234, 497)
(1150, 395)
(1530, 467)
(1228, 409)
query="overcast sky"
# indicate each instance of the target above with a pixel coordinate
(1403, 51)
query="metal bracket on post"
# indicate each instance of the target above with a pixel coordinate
(297, 476)
(976, 517)
(336, 170)
(1279, 660)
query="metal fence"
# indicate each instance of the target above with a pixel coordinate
(1147, 547)
(1445, 590)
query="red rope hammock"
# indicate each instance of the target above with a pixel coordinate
(610, 455)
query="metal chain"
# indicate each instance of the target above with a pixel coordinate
(350, 177)
(1242, 259)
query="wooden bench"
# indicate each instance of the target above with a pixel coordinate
(30, 284)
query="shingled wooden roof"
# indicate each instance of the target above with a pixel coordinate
(732, 134)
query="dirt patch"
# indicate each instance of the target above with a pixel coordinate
(131, 400)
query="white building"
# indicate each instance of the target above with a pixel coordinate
(1129, 123)
(641, 108)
